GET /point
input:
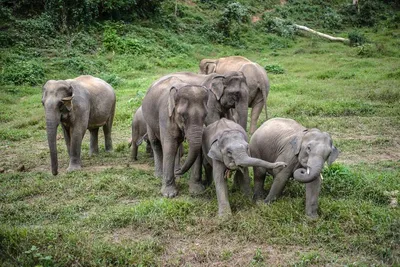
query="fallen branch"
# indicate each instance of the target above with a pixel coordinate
(323, 35)
(320, 34)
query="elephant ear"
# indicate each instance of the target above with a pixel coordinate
(210, 67)
(171, 101)
(296, 144)
(333, 156)
(217, 86)
(215, 152)
(66, 103)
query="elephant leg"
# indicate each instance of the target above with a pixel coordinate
(75, 149)
(255, 114)
(280, 180)
(259, 179)
(149, 150)
(312, 193)
(94, 141)
(157, 151)
(107, 134)
(170, 148)
(221, 188)
(242, 180)
(178, 157)
(195, 184)
(134, 151)
(67, 138)
(208, 172)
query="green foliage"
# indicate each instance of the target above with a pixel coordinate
(314, 14)
(278, 26)
(368, 13)
(356, 38)
(21, 72)
(231, 22)
(275, 69)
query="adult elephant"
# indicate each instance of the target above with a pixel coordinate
(304, 150)
(226, 92)
(85, 102)
(256, 78)
(174, 110)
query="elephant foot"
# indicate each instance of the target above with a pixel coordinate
(169, 191)
(72, 168)
(196, 188)
(313, 216)
(225, 212)
(259, 196)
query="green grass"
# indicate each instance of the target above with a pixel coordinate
(112, 213)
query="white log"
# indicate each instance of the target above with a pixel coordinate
(323, 35)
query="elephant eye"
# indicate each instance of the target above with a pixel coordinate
(308, 149)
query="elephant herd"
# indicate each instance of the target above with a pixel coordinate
(210, 111)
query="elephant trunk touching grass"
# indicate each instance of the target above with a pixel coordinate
(80, 104)
(52, 121)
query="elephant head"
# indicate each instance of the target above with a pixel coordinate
(187, 108)
(232, 149)
(208, 66)
(57, 101)
(313, 150)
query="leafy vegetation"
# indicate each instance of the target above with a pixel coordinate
(111, 212)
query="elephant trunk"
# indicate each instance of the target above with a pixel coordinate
(51, 128)
(246, 161)
(194, 137)
(314, 168)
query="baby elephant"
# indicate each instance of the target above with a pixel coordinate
(225, 148)
(304, 150)
(85, 102)
(139, 133)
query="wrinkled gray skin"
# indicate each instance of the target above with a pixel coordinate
(139, 134)
(225, 148)
(78, 104)
(256, 78)
(174, 110)
(304, 150)
(226, 92)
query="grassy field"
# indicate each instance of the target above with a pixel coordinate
(112, 213)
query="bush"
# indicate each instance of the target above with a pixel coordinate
(23, 72)
(280, 27)
(275, 69)
(356, 38)
(230, 23)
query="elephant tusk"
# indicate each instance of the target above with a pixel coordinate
(322, 178)
(308, 170)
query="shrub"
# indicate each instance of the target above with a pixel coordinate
(278, 26)
(23, 72)
(275, 69)
(356, 38)
(230, 23)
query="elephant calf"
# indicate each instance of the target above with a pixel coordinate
(304, 150)
(225, 148)
(139, 133)
(78, 104)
